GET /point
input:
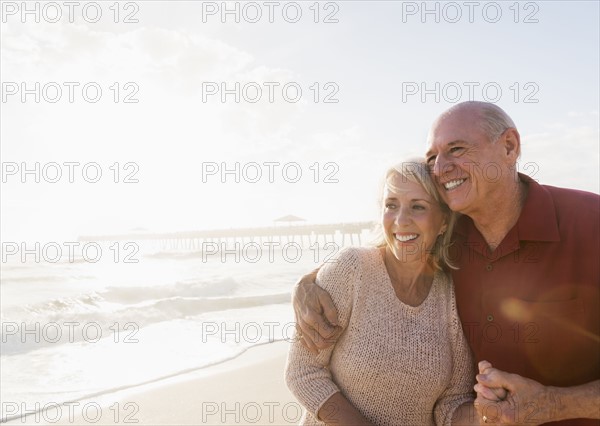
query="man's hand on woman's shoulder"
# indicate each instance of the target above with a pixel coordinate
(316, 316)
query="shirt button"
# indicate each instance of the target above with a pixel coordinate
(489, 267)
(490, 318)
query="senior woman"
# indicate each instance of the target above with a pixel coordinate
(402, 358)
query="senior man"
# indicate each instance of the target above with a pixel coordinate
(528, 283)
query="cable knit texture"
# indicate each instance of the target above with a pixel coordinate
(397, 364)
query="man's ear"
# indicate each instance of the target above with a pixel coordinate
(511, 141)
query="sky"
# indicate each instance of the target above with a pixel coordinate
(329, 94)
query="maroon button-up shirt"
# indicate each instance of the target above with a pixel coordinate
(531, 306)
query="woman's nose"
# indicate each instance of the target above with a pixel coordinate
(403, 216)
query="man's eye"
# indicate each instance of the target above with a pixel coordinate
(431, 161)
(455, 149)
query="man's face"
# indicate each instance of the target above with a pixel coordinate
(466, 166)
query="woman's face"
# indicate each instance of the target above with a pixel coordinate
(412, 220)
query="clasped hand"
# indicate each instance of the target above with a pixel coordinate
(510, 399)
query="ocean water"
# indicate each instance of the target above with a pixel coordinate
(73, 329)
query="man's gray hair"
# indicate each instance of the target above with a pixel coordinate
(494, 120)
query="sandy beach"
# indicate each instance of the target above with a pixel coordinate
(249, 389)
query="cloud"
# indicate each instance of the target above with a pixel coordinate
(155, 52)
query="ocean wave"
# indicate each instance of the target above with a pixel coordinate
(63, 321)
(186, 288)
(44, 279)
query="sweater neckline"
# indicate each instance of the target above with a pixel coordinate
(390, 287)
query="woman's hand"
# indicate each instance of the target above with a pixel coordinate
(489, 393)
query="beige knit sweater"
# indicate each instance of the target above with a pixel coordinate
(397, 364)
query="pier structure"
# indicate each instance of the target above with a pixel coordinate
(306, 236)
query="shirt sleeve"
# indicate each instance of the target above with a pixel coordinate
(460, 388)
(307, 375)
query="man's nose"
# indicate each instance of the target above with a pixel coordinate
(442, 165)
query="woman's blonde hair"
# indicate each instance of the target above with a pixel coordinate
(416, 170)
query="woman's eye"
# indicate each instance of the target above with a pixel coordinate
(389, 205)
(418, 207)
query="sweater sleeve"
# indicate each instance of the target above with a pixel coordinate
(460, 388)
(307, 375)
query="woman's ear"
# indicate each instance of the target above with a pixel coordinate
(444, 227)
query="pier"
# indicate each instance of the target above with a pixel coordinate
(305, 235)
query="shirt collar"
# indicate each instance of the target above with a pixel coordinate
(537, 221)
